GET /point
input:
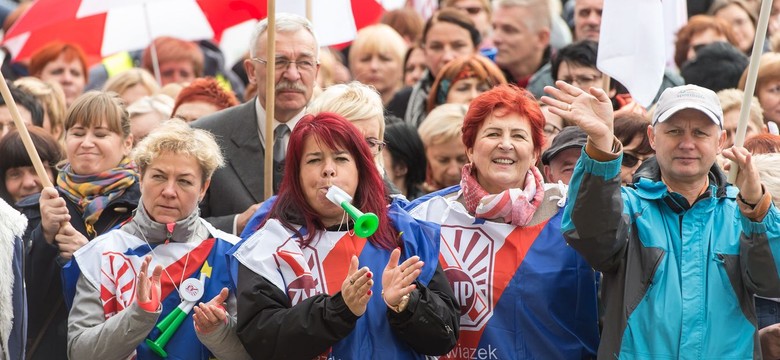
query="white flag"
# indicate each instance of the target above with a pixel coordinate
(632, 45)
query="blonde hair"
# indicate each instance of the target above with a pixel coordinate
(177, 137)
(377, 38)
(768, 166)
(768, 70)
(94, 107)
(354, 101)
(160, 103)
(731, 99)
(129, 78)
(443, 124)
(50, 95)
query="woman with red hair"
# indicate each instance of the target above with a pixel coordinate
(62, 63)
(201, 97)
(298, 276)
(523, 292)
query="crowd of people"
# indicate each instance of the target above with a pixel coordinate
(527, 206)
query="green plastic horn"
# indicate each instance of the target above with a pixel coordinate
(168, 327)
(365, 223)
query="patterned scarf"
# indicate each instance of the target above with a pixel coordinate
(92, 193)
(510, 206)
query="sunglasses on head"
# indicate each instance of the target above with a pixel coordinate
(630, 160)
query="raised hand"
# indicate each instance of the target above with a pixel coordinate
(356, 288)
(210, 316)
(54, 213)
(591, 111)
(748, 180)
(148, 288)
(397, 280)
(68, 240)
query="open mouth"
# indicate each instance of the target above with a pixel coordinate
(503, 161)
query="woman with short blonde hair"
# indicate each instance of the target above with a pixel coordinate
(51, 96)
(361, 105)
(441, 134)
(376, 58)
(132, 84)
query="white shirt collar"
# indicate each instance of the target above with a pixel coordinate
(261, 116)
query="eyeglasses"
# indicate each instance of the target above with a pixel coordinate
(581, 79)
(472, 10)
(281, 64)
(376, 145)
(630, 160)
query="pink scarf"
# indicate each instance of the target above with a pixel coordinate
(510, 206)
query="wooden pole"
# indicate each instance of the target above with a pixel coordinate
(24, 134)
(750, 83)
(309, 13)
(270, 98)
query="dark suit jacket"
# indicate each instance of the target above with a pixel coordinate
(239, 184)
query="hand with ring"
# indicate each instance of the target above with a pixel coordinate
(210, 316)
(398, 280)
(356, 288)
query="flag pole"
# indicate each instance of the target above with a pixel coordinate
(309, 13)
(24, 134)
(750, 83)
(270, 92)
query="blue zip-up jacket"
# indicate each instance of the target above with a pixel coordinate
(678, 280)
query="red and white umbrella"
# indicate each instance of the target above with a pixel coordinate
(105, 27)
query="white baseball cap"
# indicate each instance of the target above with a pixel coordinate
(684, 97)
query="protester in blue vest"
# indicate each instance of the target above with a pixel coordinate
(523, 293)
(306, 278)
(121, 307)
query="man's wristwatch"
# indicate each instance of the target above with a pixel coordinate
(401, 305)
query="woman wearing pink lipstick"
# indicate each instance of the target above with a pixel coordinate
(96, 190)
(299, 281)
(519, 285)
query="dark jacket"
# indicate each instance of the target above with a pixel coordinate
(410, 103)
(48, 314)
(322, 320)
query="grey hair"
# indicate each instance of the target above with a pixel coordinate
(768, 166)
(285, 23)
(540, 12)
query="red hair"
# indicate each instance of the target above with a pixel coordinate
(763, 144)
(52, 51)
(206, 90)
(335, 132)
(501, 101)
(173, 49)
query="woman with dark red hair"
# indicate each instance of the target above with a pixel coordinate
(523, 292)
(300, 291)
(62, 63)
(201, 97)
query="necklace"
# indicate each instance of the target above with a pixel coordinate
(169, 234)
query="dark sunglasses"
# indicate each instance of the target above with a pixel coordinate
(630, 160)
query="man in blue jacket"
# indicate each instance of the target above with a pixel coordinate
(682, 251)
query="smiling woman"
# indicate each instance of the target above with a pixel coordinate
(503, 211)
(96, 189)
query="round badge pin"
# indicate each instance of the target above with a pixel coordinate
(191, 289)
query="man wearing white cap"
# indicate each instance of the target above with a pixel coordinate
(682, 251)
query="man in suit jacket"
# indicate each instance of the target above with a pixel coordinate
(237, 188)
